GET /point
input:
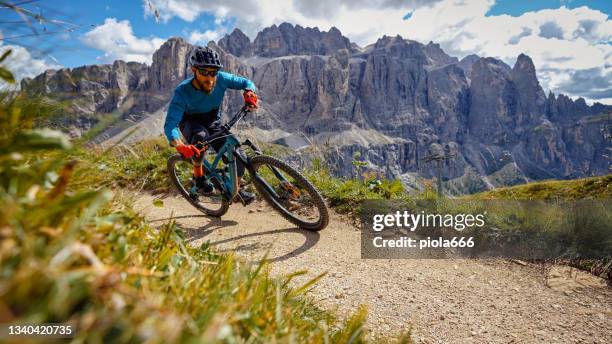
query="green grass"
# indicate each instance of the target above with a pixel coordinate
(597, 188)
(275, 150)
(72, 251)
(143, 167)
(136, 167)
(346, 195)
(593, 187)
(103, 121)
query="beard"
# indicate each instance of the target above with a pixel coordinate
(208, 86)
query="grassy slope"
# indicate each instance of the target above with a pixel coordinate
(583, 188)
(47, 211)
(72, 251)
(593, 187)
(142, 166)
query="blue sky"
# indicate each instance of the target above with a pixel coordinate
(88, 13)
(127, 29)
(516, 8)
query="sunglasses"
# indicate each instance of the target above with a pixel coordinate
(205, 72)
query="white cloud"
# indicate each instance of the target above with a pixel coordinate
(361, 20)
(116, 39)
(22, 64)
(562, 42)
(199, 37)
(167, 9)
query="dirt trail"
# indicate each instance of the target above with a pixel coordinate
(443, 301)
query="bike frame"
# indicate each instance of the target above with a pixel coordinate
(229, 185)
(229, 150)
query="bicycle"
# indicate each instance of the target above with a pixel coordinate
(283, 187)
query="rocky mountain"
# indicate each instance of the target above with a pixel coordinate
(389, 104)
(284, 40)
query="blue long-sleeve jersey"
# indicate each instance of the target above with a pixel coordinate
(188, 100)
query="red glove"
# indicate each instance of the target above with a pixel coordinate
(250, 98)
(187, 151)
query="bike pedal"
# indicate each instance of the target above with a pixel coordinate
(239, 198)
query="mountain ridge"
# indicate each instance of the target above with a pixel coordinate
(490, 115)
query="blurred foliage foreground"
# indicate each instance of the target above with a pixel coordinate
(72, 251)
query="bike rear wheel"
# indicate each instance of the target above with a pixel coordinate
(181, 172)
(287, 191)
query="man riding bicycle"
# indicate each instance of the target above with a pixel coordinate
(194, 110)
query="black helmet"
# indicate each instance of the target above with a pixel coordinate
(204, 57)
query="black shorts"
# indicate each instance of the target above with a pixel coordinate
(195, 131)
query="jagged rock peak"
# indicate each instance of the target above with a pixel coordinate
(173, 41)
(172, 47)
(287, 39)
(430, 54)
(531, 95)
(236, 43)
(169, 64)
(386, 41)
(490, 62)
(238, 34)
(524, 64)
(470, 57)
(467, 62)
(437, 54)
(334, 31)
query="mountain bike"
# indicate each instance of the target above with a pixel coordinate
(283, 187)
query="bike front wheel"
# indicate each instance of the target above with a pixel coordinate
(287, 191)
(181, 172)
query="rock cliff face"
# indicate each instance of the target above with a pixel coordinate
(393, 102)
(131, 87)
(466, 64)
(284, 40)
(236, 43)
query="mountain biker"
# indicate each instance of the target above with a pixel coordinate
(194, 110)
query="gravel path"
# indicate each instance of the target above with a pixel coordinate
(442, 301)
